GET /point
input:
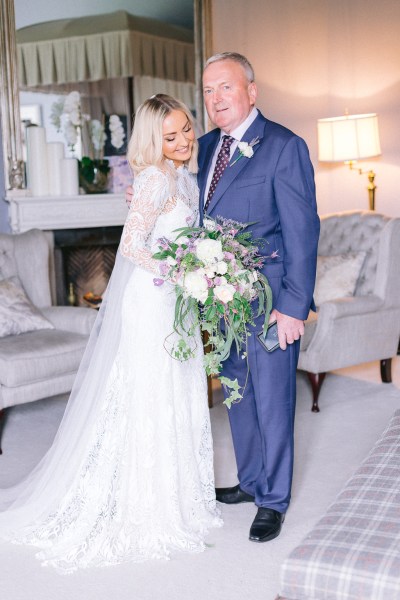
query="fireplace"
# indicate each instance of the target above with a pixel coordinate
(84, 259)
(86, 230)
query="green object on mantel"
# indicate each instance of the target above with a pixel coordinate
(93, 175)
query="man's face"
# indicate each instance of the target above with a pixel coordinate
(228, 95)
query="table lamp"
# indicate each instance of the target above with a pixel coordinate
(348, 139)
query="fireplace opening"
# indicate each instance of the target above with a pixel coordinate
(84, 260)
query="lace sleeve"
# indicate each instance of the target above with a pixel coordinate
(150, 194)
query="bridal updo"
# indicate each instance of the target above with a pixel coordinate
(145, 145)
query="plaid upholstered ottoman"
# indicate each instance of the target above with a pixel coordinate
(353, 552)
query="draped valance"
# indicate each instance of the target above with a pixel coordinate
(103, 47)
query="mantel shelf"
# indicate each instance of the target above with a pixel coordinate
(66, 212)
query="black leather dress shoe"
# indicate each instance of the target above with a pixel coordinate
(267, 525)
(232, 495)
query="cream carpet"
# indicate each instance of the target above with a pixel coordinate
(329, 447)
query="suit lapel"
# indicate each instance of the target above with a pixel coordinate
(204, 168)
(256, 130)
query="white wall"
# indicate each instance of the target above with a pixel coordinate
(314, 59)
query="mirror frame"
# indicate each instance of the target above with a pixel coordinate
(9, 89)
(9, 100)
(202, 50)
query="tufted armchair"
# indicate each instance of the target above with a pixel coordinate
(42, 363)
(365, 327)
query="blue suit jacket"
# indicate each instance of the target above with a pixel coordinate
(275, 188)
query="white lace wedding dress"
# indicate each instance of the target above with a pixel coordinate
(130, 474)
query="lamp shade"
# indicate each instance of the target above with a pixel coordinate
(350, 137)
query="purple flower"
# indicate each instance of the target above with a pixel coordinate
(179, 252)
(158, 281)
(164, 243)
(229, 255)
(209, 282)
(275, 254)
(164, 268)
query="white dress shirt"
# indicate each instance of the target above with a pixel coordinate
(237, 134)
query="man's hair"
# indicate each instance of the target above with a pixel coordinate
(236, 57)
(145, 145)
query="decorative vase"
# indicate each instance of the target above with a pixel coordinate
(93, 175)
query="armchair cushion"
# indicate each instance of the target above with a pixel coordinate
(77, 319)
(337, 276)
(17, 313)
(39, 355)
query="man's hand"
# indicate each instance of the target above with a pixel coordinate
(289, 328)
(129, 195)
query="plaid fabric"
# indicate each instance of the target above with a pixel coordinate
(353, 552)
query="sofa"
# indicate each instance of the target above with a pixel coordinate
(352, 553)
(42, 361)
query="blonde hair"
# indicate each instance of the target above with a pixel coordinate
(145, 145)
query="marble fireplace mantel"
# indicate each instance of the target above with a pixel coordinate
(65, 212)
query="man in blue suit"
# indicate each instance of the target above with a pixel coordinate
(275, 189)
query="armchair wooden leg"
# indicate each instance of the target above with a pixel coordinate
(2, 420)
(316, 380)
(386, 370)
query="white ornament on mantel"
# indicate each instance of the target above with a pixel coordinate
(55, 154)
(66, 212)
(69, 177)
(37, 172)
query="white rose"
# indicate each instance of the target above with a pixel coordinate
(224, 293)
(196, 285)
(210, 271)
(209, 251)
(245, 149)
(221, 268)
(255, 276)
(248, 152)
(209, 225)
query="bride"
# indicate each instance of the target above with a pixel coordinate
(129, 476)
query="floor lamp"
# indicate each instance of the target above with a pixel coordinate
(348, 139)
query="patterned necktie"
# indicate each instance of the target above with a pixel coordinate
(220, 166)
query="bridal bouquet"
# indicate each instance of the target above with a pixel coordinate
(215, 271)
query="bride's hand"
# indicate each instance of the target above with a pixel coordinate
(129, 195)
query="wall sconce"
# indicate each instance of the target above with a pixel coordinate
(348, 139)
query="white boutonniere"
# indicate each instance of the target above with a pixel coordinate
(246, 149)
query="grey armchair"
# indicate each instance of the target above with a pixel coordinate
(43, 363)
(364, 327)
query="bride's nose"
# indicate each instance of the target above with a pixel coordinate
(183, 139)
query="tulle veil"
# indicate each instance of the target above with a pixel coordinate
(31, 500)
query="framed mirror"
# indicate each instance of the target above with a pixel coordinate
(12, 134)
